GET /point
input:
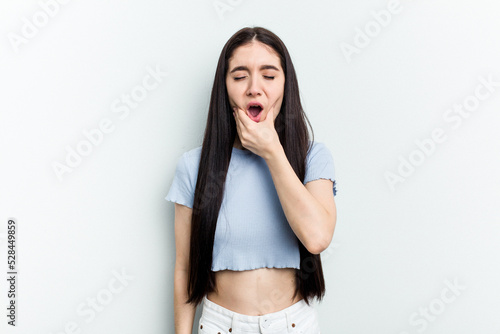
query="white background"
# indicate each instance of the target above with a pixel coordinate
(394, 248)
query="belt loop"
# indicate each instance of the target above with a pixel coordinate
(233, 323)
(288, 322)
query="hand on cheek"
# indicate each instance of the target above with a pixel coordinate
(261, 138)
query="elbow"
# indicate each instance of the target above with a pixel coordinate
(315, 250)
(318, 245)
(322, 241)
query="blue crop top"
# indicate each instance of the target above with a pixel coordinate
(252, 230)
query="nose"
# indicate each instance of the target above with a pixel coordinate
(254, 87)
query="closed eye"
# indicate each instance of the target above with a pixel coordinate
(265, 76)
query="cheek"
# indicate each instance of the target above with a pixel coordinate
(232, 89)
(230, 93)
(235, 96)
(279, 91)
(278, 97)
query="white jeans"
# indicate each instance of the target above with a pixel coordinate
(298, 318)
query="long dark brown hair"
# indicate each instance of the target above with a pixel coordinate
(219, 136)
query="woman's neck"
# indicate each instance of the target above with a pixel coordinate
(237, 144)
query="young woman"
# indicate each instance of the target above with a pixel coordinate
(254, 204)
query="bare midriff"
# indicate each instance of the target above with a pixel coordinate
(255, 292)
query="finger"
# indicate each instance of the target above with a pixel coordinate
(241, 116)
(236, 114)
(237, 121)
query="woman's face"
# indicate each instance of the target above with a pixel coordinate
(255, 76)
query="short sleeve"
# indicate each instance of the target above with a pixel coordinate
(182, 188)
(320, 165)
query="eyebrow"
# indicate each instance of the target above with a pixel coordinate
(263, 67)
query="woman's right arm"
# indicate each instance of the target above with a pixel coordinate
(183, 313)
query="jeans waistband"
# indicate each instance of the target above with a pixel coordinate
(238, 322)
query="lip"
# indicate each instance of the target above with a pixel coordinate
(254, 103)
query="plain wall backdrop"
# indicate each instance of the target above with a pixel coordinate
(100, 99)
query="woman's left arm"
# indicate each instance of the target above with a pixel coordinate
(310, 209)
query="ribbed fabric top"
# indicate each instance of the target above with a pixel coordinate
(252, 230)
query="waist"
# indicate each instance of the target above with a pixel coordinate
(255, 292)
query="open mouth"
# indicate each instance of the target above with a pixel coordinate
(254, 110)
